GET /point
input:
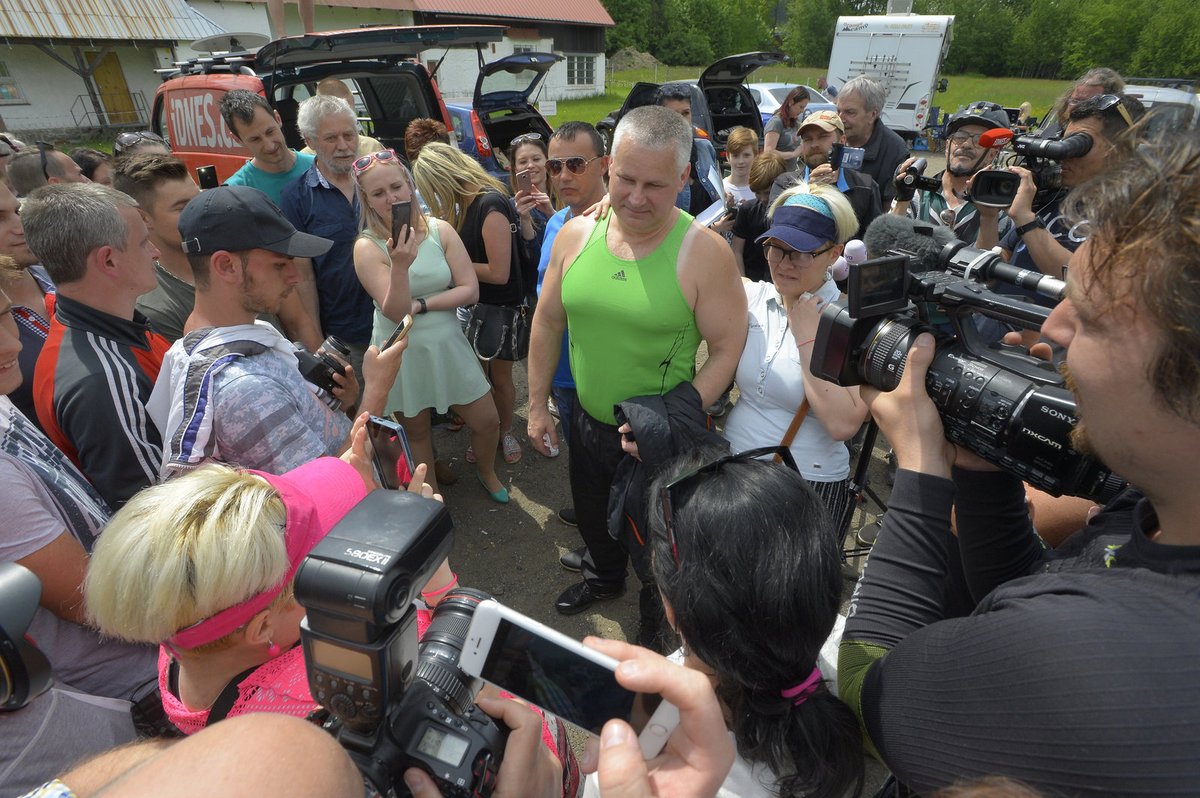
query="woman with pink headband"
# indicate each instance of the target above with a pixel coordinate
(204, 563)
(748, 566)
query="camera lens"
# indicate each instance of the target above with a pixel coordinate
(443, 642)
(886, 351)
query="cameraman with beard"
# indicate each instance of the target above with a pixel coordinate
(1043, 241)
(950, 207)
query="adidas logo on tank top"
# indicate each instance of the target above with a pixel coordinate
(620, 276)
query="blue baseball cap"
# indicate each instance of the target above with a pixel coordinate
(801, 228)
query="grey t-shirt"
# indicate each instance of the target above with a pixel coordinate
(54, 732)
(269, 419)
(169, 305)
(787, 138)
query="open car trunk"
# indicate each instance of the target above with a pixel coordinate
(504, 98)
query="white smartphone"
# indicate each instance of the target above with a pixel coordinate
(560, 675)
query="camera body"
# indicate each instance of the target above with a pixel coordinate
(913, 179)
(24, 670)
(320, 366)
(1002, 404)
(996, 188)
(395, 704)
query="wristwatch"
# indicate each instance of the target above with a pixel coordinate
(424, 308)
(1025, 228)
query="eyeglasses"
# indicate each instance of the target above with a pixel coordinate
(576, 164)
(365, 162)
(670, 500)
(43, 148)
(127, 141)
(774, 254)
(959, 139)
(1107, 101)
(523, 138)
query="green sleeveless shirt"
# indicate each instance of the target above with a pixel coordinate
(632, 331)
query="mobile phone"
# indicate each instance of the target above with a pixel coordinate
(394, 463)
(524, 181)
(843, 157)
(401, 331)
(401, 215)
(560, 675)
(206, 176)
(835, 155)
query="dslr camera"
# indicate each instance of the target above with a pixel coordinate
(996, 188)
(999, 402)
(318, 368)
(395, 704)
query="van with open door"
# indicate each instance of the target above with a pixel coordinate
(391, 88)
(904, 52)
(503, 107)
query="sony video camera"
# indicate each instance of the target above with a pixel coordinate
(24, 670)
(395, 704)
(1002, 404)
(913, 179)
(996, 188)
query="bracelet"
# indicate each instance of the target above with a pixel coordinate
(424, 307)
(428, 594)
(1025, 228)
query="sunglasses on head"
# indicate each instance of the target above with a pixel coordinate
(43, 148)
(364, 163)
(525, 137)
(669, 496)
(576, 164)
(127, 140)
(1107, 101)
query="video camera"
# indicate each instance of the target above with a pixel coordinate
(1002, 404)
(996, 188)
(24, 670)
(395, 704)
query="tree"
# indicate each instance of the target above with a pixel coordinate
(808, 32)
(631, 29)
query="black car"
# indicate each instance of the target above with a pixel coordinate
(720, 99)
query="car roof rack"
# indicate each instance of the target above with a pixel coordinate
(240, 63)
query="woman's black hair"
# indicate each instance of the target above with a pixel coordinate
(89, 160)
(755, 595)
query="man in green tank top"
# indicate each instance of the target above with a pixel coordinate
(638, 291)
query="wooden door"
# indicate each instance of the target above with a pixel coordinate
(114, 91)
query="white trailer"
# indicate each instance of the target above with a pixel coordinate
(904, 52)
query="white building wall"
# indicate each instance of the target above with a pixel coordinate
(457, 75)
(51, 90)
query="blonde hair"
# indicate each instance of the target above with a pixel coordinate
(450, 180)
(841, 211)
(180, 552)
(371, 221)
(740, 138)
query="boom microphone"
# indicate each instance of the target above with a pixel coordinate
(919, 240)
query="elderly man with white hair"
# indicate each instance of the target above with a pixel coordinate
(859, 103)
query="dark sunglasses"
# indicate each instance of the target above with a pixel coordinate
(43, 148)
(126, 141)
(670, 501)
(1107, 101)
(362, 164)
(576, 165)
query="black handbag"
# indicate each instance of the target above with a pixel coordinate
(501, 332)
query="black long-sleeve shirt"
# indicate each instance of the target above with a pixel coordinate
(1079, 673)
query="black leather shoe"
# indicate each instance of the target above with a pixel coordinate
(580, 596)
(573, 560)
(567, 516)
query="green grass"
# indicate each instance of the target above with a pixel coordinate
(963, 90)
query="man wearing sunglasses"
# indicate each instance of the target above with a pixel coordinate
(638, 290)
(44, 165)
(950, 207)
(1043, 241)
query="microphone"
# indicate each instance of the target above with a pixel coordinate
(995, 138)
(855, 251)
(920, 241)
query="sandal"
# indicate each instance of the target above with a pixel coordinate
(512, 449)
(456, 424)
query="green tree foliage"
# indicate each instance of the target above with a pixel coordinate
(631, 29)
(808, 32)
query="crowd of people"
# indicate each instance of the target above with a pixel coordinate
(188, 376)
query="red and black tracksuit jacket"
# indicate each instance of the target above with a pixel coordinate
(90, 388)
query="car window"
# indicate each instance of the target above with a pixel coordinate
(780, 93)
(756, 95)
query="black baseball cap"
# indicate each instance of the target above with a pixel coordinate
(986, 114)
(238, 218)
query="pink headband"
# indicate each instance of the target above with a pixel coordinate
(804, 689)
(315, 497)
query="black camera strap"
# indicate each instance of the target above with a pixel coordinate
(224, 703)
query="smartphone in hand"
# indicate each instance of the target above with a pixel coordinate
(206, 177)
(524, 181)
(560, 675)
(401, 216)
(394, 463)
(400, 332)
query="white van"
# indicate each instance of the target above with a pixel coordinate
(904, 52)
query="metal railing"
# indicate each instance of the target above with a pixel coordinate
(85, 115)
